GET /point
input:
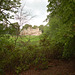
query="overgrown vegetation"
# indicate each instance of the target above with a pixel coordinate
(22, 56)
(61, 31)
(56, 42)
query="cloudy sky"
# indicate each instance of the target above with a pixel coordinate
(38, 9)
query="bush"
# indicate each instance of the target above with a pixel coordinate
(69, 48)
(6, 51)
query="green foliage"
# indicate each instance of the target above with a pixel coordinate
(57, 41)
(41, 27)
(14, 29)
(8, 5)
(1, 72)
(21, 56)
(34, 27)
(69, 48)
(60, 33)
(1, 29)
(26, 26)
(50, 49)
(6, 47)
(41, 62)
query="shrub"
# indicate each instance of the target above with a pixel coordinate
(69, 48)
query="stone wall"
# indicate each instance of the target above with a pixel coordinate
(31, 31)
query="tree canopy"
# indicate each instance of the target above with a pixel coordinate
(6, 8)
(41, 27)
(26, 26)
(61, 21)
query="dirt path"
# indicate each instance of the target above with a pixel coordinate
(56, 67)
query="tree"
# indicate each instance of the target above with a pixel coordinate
(23, 16)
(61, 18)
(41, 27)
(61, 21)
(7, 7)
(26, 26)
(34, 27)
(14, 29)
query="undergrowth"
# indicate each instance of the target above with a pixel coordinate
(27, 54)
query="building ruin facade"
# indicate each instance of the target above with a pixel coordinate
(31, 31)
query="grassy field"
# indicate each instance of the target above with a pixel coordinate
(31, 39)
(26, 38)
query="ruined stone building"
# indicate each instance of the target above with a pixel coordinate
(31, 31)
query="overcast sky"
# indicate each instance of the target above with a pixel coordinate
(38, 8)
